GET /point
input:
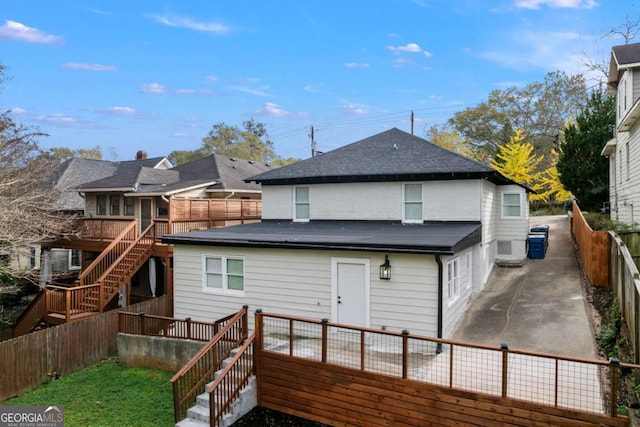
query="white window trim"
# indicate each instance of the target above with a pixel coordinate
(455, 283)
(469, 269)
(225, 281)
(404, 204)
(295, 204)
(502, 215)
(74, 266)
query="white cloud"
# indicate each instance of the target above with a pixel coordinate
(271, 109)
(18, 110)
(190, 24)
(354, 109)
(212, 78)
(555, 4)
(410, 48)
(180, 135)
(262, 91)
(356, 65)
(62, 120)
(123, 111)
(185, 91)
(155, 88)
(88, 67)
(13, 30)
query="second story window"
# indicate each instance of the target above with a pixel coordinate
(101, 204)
(301, 204)
(114, 204)
(511, 205)
(412, 203)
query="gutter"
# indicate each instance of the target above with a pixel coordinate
(440, 302)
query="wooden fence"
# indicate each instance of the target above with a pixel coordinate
(28, 361)
(344, 375)
(593, 249)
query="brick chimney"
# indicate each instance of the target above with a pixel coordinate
(141, 155)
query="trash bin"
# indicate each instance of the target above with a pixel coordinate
(537, 246)
(541, 229)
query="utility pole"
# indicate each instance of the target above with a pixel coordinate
(412, 123)
(313, 142)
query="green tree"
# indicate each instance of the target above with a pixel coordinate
(60, 154)
(539, 109)
(250, 142)
(582, 169)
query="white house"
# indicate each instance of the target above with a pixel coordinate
(335, 225)
(623, 151)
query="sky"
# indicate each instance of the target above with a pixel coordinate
(157, 75)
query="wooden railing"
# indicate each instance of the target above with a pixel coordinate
(191, 379)
(170, 327)
(102, 228)
(72, 301)
(226, 388)
(108, 257)
(31, 316)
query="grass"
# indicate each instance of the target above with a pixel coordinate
(108, 394)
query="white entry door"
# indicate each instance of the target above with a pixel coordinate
(350, 291)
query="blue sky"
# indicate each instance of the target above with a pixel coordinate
(129, 75)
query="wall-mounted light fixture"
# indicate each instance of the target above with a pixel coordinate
(385, 269)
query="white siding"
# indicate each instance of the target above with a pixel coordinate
(454, 310)
(625, 186)
(298, 283)
(379, 201)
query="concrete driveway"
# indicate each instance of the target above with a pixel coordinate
(539, 306)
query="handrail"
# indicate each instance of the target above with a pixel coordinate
(222, 392)
(34, 313)
(124, 253)
(167, 327)
(96, 262)
(197, 371)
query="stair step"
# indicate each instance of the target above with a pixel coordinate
(189, 422)
(199, 413)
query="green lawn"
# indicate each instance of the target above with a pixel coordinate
(108, 394)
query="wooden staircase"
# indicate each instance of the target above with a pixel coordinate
(97, 285)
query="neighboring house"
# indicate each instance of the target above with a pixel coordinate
(623, 151)
(127, 212)
(388, 232)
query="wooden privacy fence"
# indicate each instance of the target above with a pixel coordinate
(339, 374)
(593, 249)
(625, 283)
(29, 360)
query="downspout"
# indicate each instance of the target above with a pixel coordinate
(440, 295)
(230, 195)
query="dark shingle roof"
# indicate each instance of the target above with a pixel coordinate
(626, 54)
(74, 172)
(221, 171)
(393, 155)
(430, 237)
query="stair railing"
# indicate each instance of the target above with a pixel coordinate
(191, 379)
(31, 316)
(107, 257)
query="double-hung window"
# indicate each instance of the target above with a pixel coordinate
(301, 204)
(129, 208)
(511, 205)
(412, 203)
(223, 274)
(453, 279)
(101, 204)
(114, 204)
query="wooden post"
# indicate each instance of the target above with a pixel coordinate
(505, 368)
(405, 354)
(188, 320)
(258, 347)
(142, 325)
(245, 322)
(614, 367)
(67, 294)
(325, 328)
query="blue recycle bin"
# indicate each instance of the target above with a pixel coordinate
(537, 246)
(541, 229)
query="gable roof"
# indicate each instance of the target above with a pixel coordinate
(622, 57)
(214, 172)
(393, 155)
(75, 172)
(381, 236)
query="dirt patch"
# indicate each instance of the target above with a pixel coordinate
(261, 417)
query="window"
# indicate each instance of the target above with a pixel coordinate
(114, 204)
(32, 257)
(469, 270)
(223, 274)
(453, 280)
(511, 205)
(301, 204)
(101, 204)
(129, 209)
(412, 203)
(74, 259)
(162, 207)
(626, 149)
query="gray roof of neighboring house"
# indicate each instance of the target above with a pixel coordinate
(429, 237)
(215, 171)
(393, 155)
(622, 57)
(75, 172)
